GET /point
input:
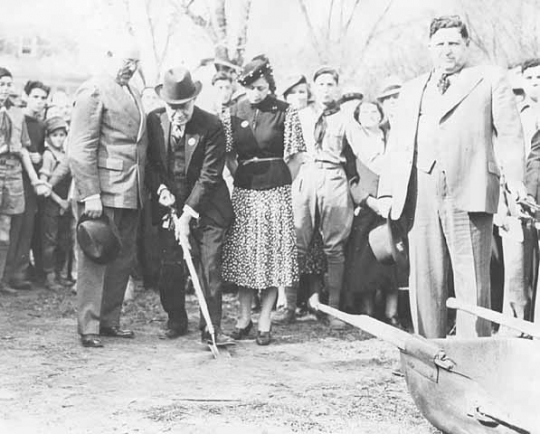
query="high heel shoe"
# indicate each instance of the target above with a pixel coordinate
(238, 333)
(263, 338)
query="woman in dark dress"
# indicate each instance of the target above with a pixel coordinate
(364, 276)
(263, 135)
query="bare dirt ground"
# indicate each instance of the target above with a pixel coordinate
(309, 380)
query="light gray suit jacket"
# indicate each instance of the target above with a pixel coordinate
(107, 145)
(479, 134)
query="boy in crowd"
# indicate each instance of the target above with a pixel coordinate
(322, 185)
(56, 218)
(530, 108)
(14, 161)
(23, 226)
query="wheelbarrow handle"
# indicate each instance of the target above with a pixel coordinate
(415, 345)
(518, 324)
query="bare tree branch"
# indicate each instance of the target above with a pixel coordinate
(351, 16)
(220, 28)
(329, 22)
(375, 26)
(312, 31)
(240, 48)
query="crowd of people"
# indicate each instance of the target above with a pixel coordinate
(278, 193)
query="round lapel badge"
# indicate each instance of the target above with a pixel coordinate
(191, 141)
(244, 124)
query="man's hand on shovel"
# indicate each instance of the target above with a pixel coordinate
(181, 229)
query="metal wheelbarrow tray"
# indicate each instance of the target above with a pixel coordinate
(466, 386)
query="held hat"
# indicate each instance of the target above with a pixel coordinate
(56, 123)
(387, 242)
(390, 87)
(178, 87)
(98, 240)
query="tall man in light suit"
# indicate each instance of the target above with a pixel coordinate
(456, 128)
(107, 155)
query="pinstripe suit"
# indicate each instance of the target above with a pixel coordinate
(443, 175)
(107, 156)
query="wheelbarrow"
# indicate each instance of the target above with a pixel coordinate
(467, 386)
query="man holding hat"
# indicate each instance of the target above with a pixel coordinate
(107, 156)
(186, 156)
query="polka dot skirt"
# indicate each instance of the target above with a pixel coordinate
(260, 250)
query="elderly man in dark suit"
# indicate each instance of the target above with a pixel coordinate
(186, 156)
(455, 129)
(107, 155)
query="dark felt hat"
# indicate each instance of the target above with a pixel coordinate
(56, 123)
(351, 96)
(97, 239)
(178, 87)
(253, 70)
(387, 242)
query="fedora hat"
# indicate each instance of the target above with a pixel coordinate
(178, 87)
(97, 239)
(388, 244)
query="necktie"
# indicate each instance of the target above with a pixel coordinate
(321, 124)
(177, 132)
(127, 90)
(5, 126)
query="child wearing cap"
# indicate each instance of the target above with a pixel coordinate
(56, 222)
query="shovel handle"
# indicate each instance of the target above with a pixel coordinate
(514, 323)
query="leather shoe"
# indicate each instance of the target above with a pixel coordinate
(239, 334)
(20, 284)
(6, 289)
(263, 338)
(284, 316)
(221, 339)
(116, 332)
(173, 332)
(91, 341)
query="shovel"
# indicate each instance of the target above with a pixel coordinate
(197, 286)
(200, 297)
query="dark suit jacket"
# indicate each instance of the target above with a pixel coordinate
(532, 173)
(205, 159)
(479, 129)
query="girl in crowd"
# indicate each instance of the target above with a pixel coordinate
(364, 276)
(298, 95)
(260, 252)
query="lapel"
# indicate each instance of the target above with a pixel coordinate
(192, 136)
(191, 141)
(166, 130)
(460, 88)
(129, 105)
(411, 110)
(142, 117)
